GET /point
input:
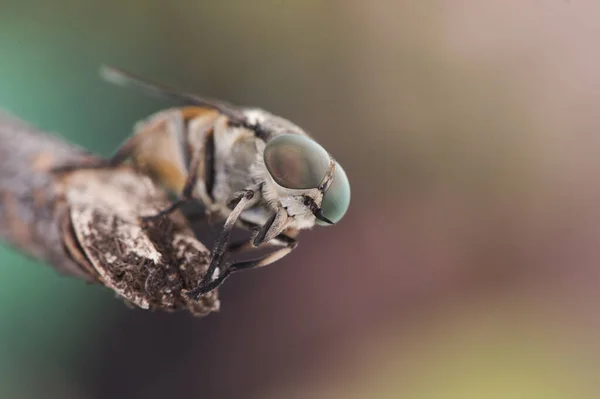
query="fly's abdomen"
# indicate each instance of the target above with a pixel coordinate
(160, 152)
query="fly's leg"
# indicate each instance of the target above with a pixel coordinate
(288, 244)
(244, 199)
(262, 236)
(282, 240)
(244, 245)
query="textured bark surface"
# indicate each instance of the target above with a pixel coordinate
(31, 208)
(86, 223)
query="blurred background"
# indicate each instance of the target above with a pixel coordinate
(467, 265)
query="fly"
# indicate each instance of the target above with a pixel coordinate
(253, 169)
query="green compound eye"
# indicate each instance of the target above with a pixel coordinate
(296, 161)
(336, 199)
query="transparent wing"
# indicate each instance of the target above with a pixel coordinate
(123, 78)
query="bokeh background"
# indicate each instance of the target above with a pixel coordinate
(467, 266)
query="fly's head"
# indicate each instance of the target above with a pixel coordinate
(305, 181)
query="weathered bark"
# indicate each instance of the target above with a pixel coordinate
(31, 208)
(86, 223)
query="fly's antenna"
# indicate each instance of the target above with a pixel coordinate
(123, 78)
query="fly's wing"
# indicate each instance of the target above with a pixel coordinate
(123, 78)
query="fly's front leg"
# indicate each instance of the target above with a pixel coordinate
(282, 240)
(288, 244)
(264, 236)
(244, 199)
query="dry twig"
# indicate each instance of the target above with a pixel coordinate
(86, 223)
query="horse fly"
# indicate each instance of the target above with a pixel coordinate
(256, 170)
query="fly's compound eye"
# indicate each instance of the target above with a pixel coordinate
(336, 199)
(296, 162)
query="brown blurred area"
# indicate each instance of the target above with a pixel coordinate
(467, 265)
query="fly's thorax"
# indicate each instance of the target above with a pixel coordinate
(235, 156)
(271, 125)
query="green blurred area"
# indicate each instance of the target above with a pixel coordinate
(468, 127)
